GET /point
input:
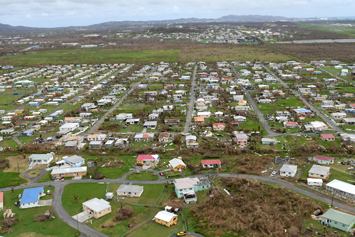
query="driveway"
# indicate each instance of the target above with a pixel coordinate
(34, 179)
(82, 216)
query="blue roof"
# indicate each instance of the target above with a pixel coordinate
(304, 110)
(31, 195)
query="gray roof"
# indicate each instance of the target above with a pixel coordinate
(318, 169)
(75, 158)
(130, 188)
(70, 144)
(288, 168)
(41, 156)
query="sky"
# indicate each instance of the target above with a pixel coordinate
(57, 13)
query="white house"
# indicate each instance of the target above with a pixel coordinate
(69, 127)
(30, 197)
(288, 170)
(41, 158)
(314, 182)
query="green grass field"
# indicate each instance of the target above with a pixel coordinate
(28, 227)
(142, 176)
(9, 179)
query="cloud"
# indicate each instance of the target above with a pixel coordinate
(45, 14)
(176, 9)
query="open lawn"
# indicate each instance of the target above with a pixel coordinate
(143, 175)
(9, 179)
(17, 163)
(85, 191)
(8, 143)
(27, 227)
(341, 176)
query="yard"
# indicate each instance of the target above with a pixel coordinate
(27, 226)
(143, 175)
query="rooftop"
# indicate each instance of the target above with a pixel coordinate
(97, 205)
(31, 195)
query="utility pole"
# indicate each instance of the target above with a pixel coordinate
(18, 168)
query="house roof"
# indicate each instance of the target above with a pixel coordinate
(130, 188)
(144, 135)
(74, 159)
(211, 162)
(199, 119)
(291, 123)
(339, 216)
(218, 124)
(93, 136)
(288, 168)
(97, 205)
(164, 134)
(318, 169)
(165, 216)
(1, 196)
(176, 162)
(41, 156)
(327, 135)
(342, 186)
(146, 157)
(69, 170)
(326, 158)
(185, 183)
(31, 195)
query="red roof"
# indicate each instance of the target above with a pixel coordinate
(211, 162)
(1, 197)
(324, 158)
(291, 123)
(146, 136)
(216, 124)
(327, 135)
(234, 123)
(352, 105)
(145, 157)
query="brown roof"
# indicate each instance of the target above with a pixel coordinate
(199, 119)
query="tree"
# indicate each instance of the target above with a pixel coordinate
(76, 197)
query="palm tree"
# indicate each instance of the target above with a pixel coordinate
(76, 197)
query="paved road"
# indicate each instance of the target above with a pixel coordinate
(336, 77)
(191, 104)
(261, 117)
(86, 230)
(34, 179)
(102, 119)
(314, 109)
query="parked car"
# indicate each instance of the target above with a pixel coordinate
(161, 174)
(182, 233)
(274, 172)
(20, 196)
(16, 203)
(318, 213)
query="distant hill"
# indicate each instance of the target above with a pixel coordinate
(122, 24)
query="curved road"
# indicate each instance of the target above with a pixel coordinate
(88, 231)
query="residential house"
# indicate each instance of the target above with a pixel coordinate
(41, 158)
(69, 172)
(74, 161)
(211, 163)
(241, 138)
(288, 170)
(319, 126)
(219, 126)
(30, 197)
(186, 188)
(341, 188)
(95, 144)
(71, 145)
(268, 141)
(130, 190)
(166, 218)
(69, 127)
(327, 137)
(177, 164)
(96, 137)
(318, 171)
(1, 201)
(242, 108)
(146, 137)
(240, 119)
(323, 160)
(204, 114)
(73, 119)
(199, 120)
(314, 182)
(123, 116)
(172, 121)
(164, 137)
(338, 116)
(337, 219)
(150, 124)
(29, 132)
(97, 207)
(122, 142)
(148, 159)
(290, 124)
(191, 141)
(348, 121)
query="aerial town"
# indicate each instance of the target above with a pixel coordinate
(206, 128)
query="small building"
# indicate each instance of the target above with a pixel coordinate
(150, 124)
(290, 124)
(186, 188)
(166, 218)
(211, 163)
(199, 120)
(177, 164)
(130, 190)
(30, 197)
(323, 160)
(268, 141)
(337, 219)
(140, 137)
(314, 182)
(74, 161)
(219, 126)
(318, 171)
(348, 121)
(95, 144)
(148, 159)
(164, 137)
(1, 201)
(29, 132)
(41, 158)
(69, 172)
(172, 121)
(288, 170)
(97, 207)
(327, 137)
(341, 188)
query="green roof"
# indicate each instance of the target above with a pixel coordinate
(339, 216)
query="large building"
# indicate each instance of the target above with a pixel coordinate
(130, 190)
(69, 172)
(186, 188)
(337, 219)
(42, 159)
(341, 188)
